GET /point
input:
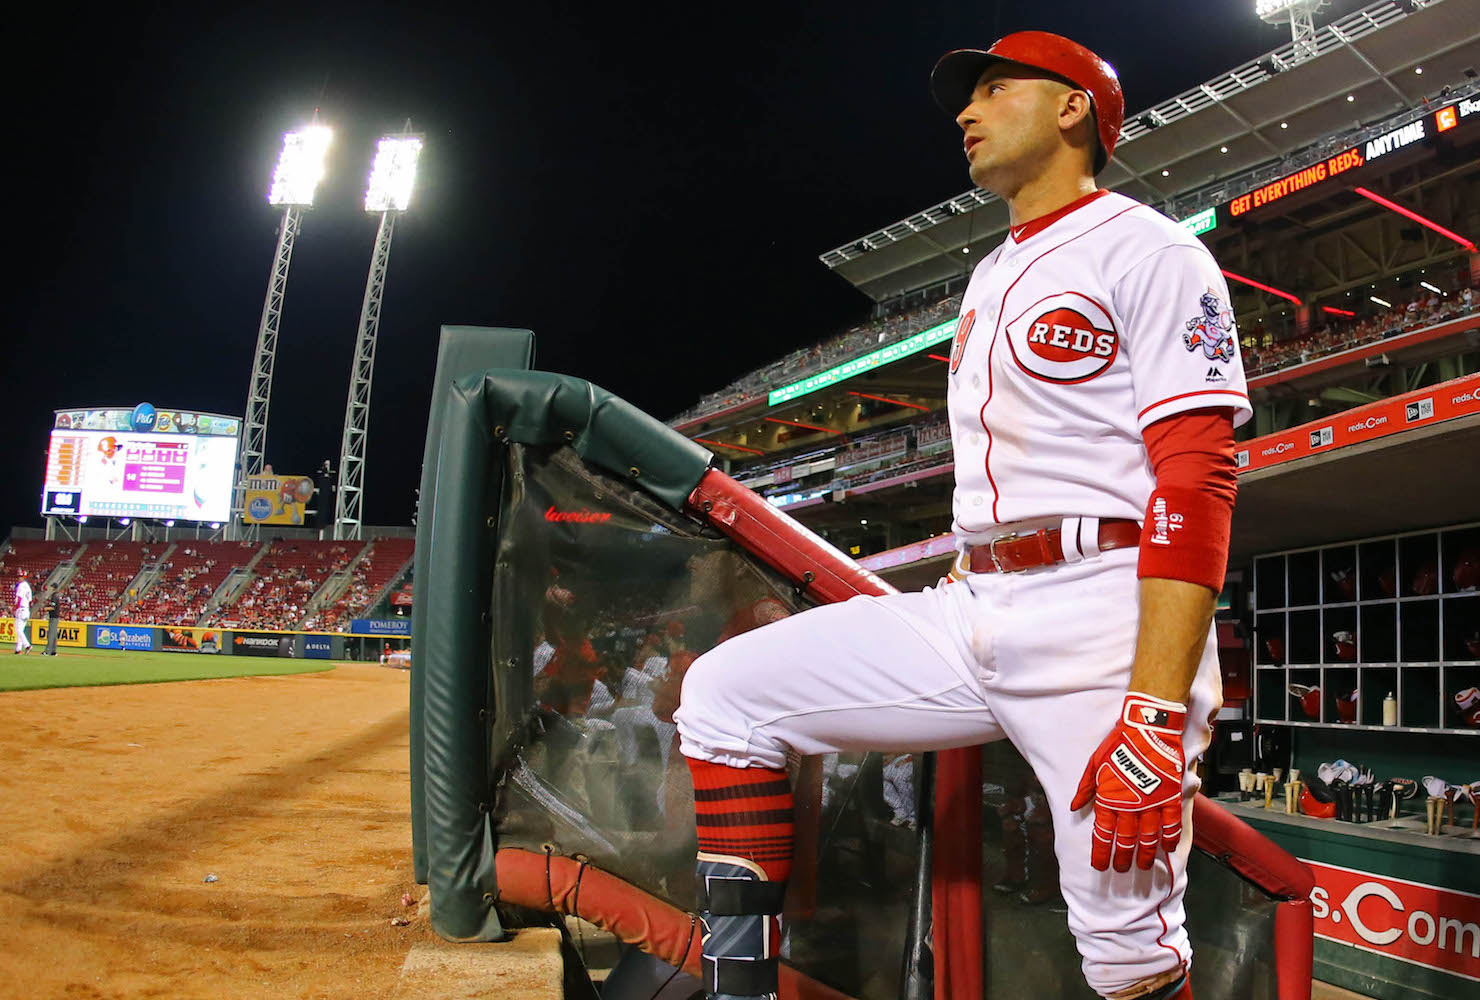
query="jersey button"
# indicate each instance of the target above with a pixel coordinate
(973, 438)
(976, 501)
(976, 381)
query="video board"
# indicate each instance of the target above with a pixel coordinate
(141, 462)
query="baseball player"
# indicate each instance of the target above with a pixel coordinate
(1094, 492)
(23, 613)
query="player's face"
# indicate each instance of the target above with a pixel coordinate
(1011, 127)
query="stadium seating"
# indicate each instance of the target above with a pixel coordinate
(1419, 312)
(40, 559)
(104, 571)
(858, 340)
(286, 578)
(187, 580)
(380, 566)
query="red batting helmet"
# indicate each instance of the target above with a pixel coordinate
(1318, 802)
(1466, 572)
(955, 75)
(1426, 579)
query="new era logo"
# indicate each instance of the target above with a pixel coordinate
(1241, 459)
(1419, 409)
(1320, 437)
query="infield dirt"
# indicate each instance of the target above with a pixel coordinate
(121, 801)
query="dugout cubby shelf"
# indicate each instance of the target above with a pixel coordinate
(1369, 617)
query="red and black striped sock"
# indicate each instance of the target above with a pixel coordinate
(744, 812)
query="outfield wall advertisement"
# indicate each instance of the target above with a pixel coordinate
(123, 637)
(318, 647)
(190, 640)
(262, 644)
(68, 633)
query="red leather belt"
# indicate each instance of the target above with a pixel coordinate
(1044, 547)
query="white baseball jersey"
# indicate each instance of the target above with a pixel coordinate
(1070, 343)
(22, 599)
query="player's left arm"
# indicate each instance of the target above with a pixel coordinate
(1187, 406)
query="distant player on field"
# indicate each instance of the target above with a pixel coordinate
(22, 613)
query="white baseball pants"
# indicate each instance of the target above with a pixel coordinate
(22, 632)
(1042, 658)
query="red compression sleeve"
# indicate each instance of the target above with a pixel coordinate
(1191, 510)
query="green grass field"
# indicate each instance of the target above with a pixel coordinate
(73, 667)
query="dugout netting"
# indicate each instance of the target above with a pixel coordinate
(598, 567)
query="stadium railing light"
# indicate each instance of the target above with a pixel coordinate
(393, 173)
(300, 166)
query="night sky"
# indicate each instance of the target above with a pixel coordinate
(645, 186)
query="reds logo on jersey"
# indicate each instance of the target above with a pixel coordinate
(958, 345)
(1064, 338)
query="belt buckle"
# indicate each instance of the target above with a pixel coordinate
(992, 553)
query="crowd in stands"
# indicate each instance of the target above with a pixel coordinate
(187, 580)
(284, 581)
(808, 360)
(39, 558)
(104, 572)
(381, 565)
(1422, 310)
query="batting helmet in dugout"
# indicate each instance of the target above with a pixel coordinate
(954, 78)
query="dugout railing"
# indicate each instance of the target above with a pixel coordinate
(575, 554)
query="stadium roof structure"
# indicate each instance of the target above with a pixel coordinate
(1390, 56)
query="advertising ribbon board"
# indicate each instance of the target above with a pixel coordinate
(380, 626)
(318, 647)
(123, 637)
(1412, 922)
(68, 633)
(261, 644)
(1445, 401)
(190, 640)
(7, 631)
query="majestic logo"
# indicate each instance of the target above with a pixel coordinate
(958, 345)
(1215, 374)
(1213, 330)
(1065, 338)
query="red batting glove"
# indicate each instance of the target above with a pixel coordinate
(1135, 781)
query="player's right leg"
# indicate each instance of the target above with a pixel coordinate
(872, 673)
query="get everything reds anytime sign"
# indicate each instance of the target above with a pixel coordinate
(1410, 921)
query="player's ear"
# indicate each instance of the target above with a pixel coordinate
(1074, 108)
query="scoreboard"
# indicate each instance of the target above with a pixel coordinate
(141, 462)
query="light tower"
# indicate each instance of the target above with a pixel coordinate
(1301, 16)
(389, 192)
(300, 167)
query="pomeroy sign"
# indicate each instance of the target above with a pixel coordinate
(1412, 922)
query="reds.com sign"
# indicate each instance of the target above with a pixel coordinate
(1409, 921)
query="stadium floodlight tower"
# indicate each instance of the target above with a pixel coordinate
(1301, 15)
(389, 193)
(300, 167)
